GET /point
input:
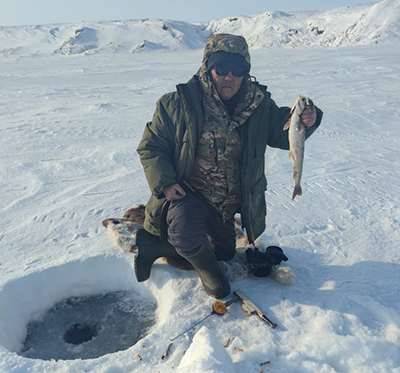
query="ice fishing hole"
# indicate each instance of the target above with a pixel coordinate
(79, 333)
(89, 327)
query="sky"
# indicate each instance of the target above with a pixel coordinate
(29, 12)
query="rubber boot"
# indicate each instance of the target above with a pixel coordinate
(149, 249)
(206, 265)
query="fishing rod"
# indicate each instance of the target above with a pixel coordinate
(219, 308)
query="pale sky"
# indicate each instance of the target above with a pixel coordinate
(35, 12)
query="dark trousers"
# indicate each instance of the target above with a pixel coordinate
(191, 219)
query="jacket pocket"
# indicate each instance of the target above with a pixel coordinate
(259, 187)
(257, 200)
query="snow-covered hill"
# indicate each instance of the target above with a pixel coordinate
(353, 25)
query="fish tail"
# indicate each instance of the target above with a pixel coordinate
(297, 191)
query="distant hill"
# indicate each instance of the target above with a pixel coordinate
(362, 24)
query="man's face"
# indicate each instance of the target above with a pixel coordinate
(227, 86)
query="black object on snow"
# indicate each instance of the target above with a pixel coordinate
(261, 264)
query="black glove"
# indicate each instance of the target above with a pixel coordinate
(259, 266)
(261, 263)
(274, 255)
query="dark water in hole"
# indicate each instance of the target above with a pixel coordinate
(89, 327)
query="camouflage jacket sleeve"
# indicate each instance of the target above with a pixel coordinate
(156, 149)
(278, 138)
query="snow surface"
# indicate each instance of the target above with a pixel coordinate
(70, 125)
(362, 24)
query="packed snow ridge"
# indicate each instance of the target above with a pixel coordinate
(362, 24)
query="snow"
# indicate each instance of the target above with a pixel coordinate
(206, 354)
(362, 24)
(70, 124)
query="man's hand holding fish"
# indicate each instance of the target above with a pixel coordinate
(309, 117)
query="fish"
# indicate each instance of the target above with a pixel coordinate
(297, 137)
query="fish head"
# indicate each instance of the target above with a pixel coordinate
(309, 103)
(299, 105)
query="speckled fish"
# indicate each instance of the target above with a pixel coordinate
(297, 137)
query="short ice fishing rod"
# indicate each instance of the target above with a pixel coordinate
(219, 308)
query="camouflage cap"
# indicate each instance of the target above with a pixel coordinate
(227, 43)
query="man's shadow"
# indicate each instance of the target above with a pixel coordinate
(368, 290)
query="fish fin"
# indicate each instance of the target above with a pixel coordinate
(287, 125)
(297, 191)
(295, 104)
(293, 108)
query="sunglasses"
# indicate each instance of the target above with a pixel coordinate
(237, 71)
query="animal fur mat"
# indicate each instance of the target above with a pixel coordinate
(123, 231)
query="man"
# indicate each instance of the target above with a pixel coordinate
(203, 156)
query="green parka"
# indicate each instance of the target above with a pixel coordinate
(168, 149)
